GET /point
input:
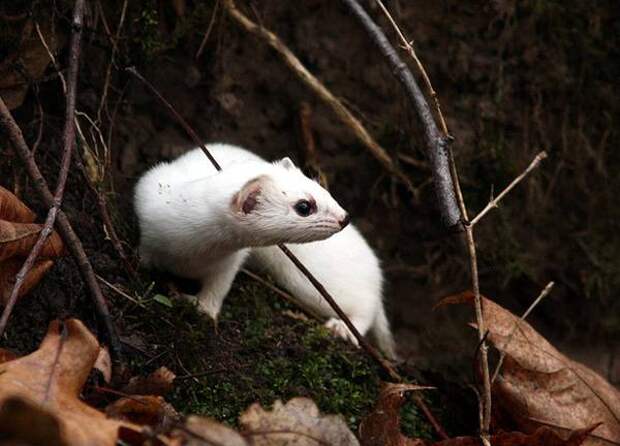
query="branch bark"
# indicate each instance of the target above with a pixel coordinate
(438, 150)
(68, 144)
(54, 201)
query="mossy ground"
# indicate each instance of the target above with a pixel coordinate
(264, 349)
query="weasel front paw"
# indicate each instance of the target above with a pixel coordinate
(204, 305)
(210, 308)
(339, 328)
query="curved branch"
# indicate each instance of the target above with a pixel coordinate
(438, 150)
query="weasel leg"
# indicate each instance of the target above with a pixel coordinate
(340, 329)
(216, 284)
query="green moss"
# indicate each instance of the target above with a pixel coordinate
(259, 354)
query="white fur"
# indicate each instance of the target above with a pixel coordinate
(349, 269)
(191, 224)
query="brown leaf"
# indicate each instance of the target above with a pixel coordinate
(543, 436)
(52, 377)
(382, 425)
(13, 209)
(539, 386)
(22, 422)
(140, 409)
(104, 364)
(6, 355)
(159, 382)
(199, 431)
(10, 268)
(17, 240)
(296, 422)
(27, 63)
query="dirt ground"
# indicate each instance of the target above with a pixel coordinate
(512, 79)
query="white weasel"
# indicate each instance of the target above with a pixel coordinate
(202, 224)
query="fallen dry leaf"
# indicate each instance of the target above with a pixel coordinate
(8, 273)
(6, 355)
(539, 386)
(543, 436)
(13, 209)
(297, 422)
(25, 423)
(28, 62)
(159, 382)
(382, 425)
(143, 409)
(104, 364)
(18, 234)
(51, 379)
(17, 240)
(199, 431)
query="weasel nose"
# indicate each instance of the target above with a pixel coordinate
(345, 221)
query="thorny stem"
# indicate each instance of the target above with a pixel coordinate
(494, 202)
(407, 45)
(544, 293)
(437, 150)
(68, 143)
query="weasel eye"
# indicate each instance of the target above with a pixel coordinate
(304, 208)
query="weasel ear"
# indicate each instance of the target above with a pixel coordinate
(246, 199)
(286, 163)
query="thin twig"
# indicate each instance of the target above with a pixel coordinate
(64, 226)
(341, 314)
(494, 202)
(281, 293)
(445, 169)
(101, 200)
(408, 46)
(120, 292)
(108, 74)
(321, 91)
(208, 31)
(484, 348)
(438, 150)
(192, 134)
(68, 144)
(39, 137)
(544, 293)
(309, 144)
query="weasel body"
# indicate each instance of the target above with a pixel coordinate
(202, 224)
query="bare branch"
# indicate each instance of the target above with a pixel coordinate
(68, 143)
(321, 91)
(53, 201)
(438, 150)
(494, 202)
(544, 293)
(208, 31)
(408, 46)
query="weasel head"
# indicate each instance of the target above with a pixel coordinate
(285, 206)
